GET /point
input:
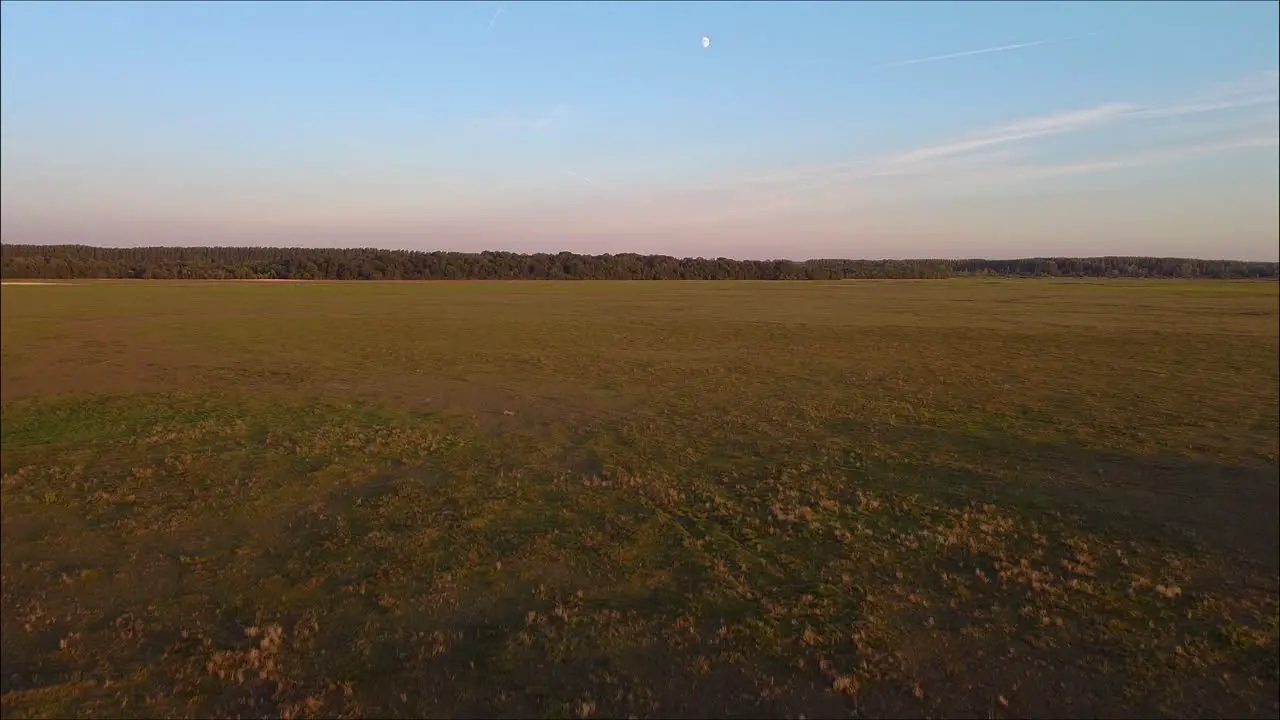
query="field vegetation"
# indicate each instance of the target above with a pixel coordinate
(838, 499)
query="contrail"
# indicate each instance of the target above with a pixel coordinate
(983, 51)
(493, 19)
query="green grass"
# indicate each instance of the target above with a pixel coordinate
(963, 497)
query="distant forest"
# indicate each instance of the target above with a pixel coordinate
(248, 263)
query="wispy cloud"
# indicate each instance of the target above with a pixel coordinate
(540, 121)
(983, 51)
(1056, 124)
(996, 144)
(589, 180)
(1028, 172)
(497, 13)
(1001, 144)
(1252, 91)
(1005, 153)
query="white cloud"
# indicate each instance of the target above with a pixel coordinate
(998, 150)
(1022, 130)
(1022, 173)
(1005, 154)
(1256, 90)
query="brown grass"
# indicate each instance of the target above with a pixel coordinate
(977, 498)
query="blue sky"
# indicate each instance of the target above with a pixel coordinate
(835, 129)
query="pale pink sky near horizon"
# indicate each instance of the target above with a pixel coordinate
(964, 145)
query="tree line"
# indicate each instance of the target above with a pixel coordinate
(250, 263)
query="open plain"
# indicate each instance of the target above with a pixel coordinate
(883, 498)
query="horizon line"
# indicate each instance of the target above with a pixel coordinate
(957, 258)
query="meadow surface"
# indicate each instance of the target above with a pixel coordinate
(878, 498)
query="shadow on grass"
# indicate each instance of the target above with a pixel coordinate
(390, 601)
(1233, 510)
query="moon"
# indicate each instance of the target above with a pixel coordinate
(706, 42)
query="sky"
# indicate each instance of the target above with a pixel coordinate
(826, 129)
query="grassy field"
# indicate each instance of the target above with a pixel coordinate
(952, 498)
